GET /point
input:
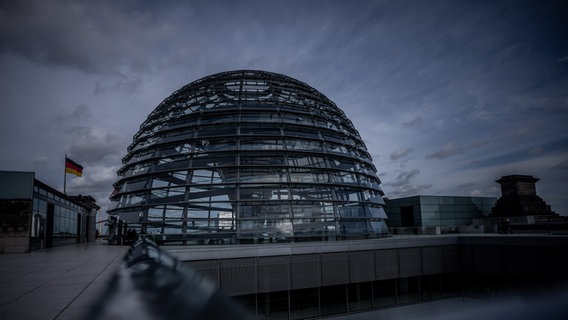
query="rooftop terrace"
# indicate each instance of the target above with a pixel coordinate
(63, 282)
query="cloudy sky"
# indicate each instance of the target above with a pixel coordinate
(448, 95)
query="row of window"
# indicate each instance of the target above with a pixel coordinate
(264, 197)
(287, 207)
(195, 146)
(64, 221)
(227, 142)
(269, 124)
(216, 97)
(56, 198)
(164, 160)
(339, 299)
(271, 179)
(268, 176)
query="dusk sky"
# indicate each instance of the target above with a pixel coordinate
(448, 95)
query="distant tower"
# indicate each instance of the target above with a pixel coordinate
(518, 198)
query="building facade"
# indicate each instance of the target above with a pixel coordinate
(35, 216)
(313, 280)
(248, 156)
(437, 211)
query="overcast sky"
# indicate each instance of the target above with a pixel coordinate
(448, 95)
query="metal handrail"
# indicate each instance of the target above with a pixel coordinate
(152, 284)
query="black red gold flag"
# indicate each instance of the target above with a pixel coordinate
(73, 167)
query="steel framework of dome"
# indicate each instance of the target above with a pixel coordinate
(245, 156)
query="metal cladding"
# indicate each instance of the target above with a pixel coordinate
(245, 156)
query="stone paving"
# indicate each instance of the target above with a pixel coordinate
(58, 283)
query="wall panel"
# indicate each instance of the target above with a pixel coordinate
(273, 273)
(386, 264)
(410, 261)
(335, 268)
(361, 266)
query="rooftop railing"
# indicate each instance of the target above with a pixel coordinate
(152, 284)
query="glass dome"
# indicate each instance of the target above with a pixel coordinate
(248, 156)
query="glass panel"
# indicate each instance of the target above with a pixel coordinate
(245, 130)
(297, 119)
(219, 145)
(164, 180)
(384, 293)
(262, 160)
(304, 303)
(273, 305)
(156, 213)
(218, 130)
(201, 176)
(265, 228)
(198, 213)
(260, 117)
(265, 144)
(304, 175)
(312, 227)
(303, 145)
(262, 175)
(333, 300)
(360, 296)
(42, 206)
(214, 161)
(430, 287)
(226, 220)
(407, 289)
(247, 301)
(452, 284)
(173, 212)
(227, 118)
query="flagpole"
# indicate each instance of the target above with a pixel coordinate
(65, 175)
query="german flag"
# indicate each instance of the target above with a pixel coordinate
(73, 167)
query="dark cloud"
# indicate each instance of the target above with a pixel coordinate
(451, 149)
(63, 120)
(399, 154)
(81, 138)
(96, 181)
(466, 185)
(447, 150)
(95, 37)
(413, 123)
(420, 78)
(404, 177)
(122, 85)
(410, 190)
(401, 186)
(519, 151)
(563, 165)
(94, 149)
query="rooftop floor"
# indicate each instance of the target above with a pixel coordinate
(63, 282)
(58, 283)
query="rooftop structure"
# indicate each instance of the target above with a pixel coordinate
(427, 214)
(36, 216)
(249, 156)
(519, 198)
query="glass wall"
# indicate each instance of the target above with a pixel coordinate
(432, 211)
(249, 156)
(354, 297)
(56, 220)
(65, 224)
(39, 223)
